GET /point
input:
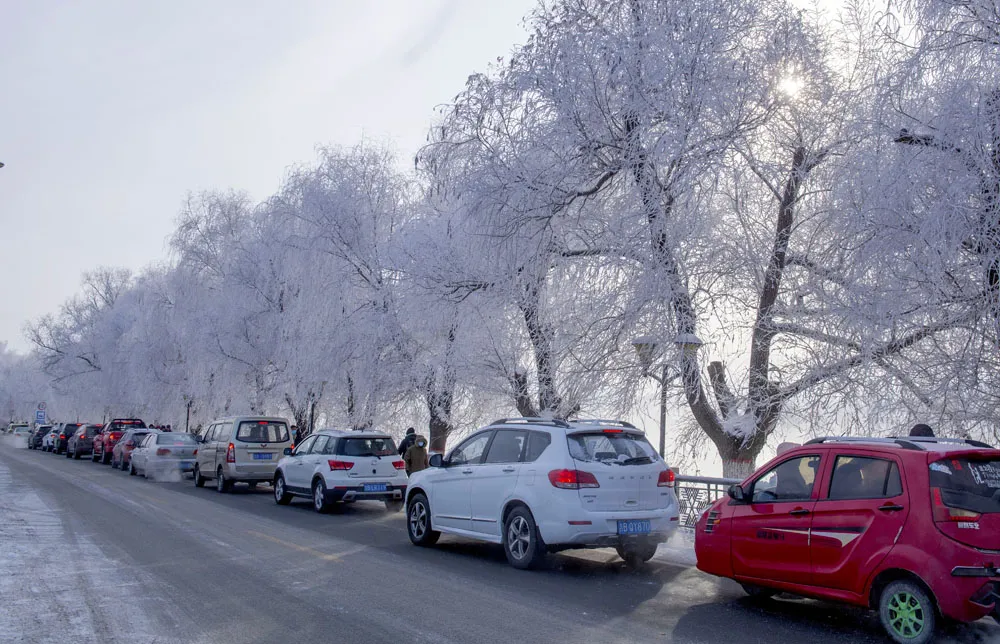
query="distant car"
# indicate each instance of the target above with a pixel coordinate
(66, 431)
(126, 445)
(82, 441)
(35, 440)
(243, 449)
(538, 485)
(161, 453)
(330, 466)
(104, 443)
(49, 440)
(22, 432)
(906, 526)
(13, 426)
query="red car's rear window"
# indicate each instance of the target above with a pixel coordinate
(968, 483)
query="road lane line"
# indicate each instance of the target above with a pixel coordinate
(295, 546)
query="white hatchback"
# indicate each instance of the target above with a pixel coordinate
(332, 465)
(538, 486)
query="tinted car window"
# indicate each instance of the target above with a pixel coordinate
(170, 438)
(262, 431)
(367, 447)
(621, 448)
(856, 477)
(792, 480)
(537, 442)
(967, 484)
(305, 446)
(506, 447)
(471, 451)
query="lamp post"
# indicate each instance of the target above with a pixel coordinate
(646, 347)
(188, 401)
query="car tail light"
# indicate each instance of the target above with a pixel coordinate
(340, 465)
(666, 479)
(163, 451)
(82, 435)
(614, 431)
(62, 436)
(195, 452)
(944, 514)
(231, 453)
(399, 465)
(572, 479)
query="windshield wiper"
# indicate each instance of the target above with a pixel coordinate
(637, 459)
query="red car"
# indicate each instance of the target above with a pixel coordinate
(105, 442)
(907, 526)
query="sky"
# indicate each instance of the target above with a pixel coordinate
(112, 111)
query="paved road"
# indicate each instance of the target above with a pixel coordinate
(90, 554)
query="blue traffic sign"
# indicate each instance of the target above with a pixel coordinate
(40, 417)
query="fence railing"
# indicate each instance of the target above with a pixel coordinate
(695, 493)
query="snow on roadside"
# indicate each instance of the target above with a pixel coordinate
(56, 584)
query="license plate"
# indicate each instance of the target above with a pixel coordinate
(257, 456)
(633, 526)
(375, 487)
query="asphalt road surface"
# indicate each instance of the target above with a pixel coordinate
(90, 554)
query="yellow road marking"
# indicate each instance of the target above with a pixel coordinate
(295, 546)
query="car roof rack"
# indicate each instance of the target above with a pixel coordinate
(526, 420)
(906, 442)
(605, 421)
(947, 440)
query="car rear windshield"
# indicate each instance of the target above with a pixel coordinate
(121, 425)
(968, 483)
(367, 447)
(262, 431)
(169, 438)
(618, 448)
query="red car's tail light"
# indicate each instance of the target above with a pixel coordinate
(340, 465)
(945, 514)
(572, 479)
(62, 436)
(231, 453)
(666, 479)
(399, 465)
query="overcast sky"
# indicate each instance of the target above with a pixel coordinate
(111, 111)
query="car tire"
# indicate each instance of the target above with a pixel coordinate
(418, 522)
(93, 456)
(68, 455)
(393, 506)
(77, 455)
(321, 502)
(521, 542)
(907, 612)
(222, 484)
(281, 495)
(105, 458)
(131, 469)
(635, 555)
(199, 480)
(759, 592)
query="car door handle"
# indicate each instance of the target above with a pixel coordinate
(891, 508)
(468, 471)
(799, 512)
(507, 469)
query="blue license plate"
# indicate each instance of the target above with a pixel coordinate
(633, 526)
(375, 487)
(257, 456)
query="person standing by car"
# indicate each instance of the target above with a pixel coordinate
(415, 457)
(296, 435)
(408, 440)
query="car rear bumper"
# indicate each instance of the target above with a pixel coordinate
(600, 529)
(357, 493)
(250, 473)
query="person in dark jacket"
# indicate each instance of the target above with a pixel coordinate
(408, 440)
(415, 457)
(922, 431)
(296, 435)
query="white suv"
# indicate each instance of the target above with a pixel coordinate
(332, 465)
(538, 486)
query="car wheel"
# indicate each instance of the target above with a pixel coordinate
(105, 458)
(759, 592)
(77, 455)
(636, 554)
(321, 502)
(418, 522)
(93, 456)
(522, 543)
(393, 506)
(281, 495)
(907, 613)
(68, 455)
(131, 469)
(222, 485)
(199, 480)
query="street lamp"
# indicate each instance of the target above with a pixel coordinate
(646, 347)
(188, 401)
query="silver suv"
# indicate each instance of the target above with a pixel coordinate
(243, 449)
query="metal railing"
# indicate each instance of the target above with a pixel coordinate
(695, 493)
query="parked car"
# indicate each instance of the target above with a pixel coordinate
(123, 449)
(35, 440)
(331, 466)
(13, 426)
(22, 432)
(66, 431)
(244, 449)
(543, 485)
(104, 443)
(49, 440)
(161, 453)
(82, 441)
(855, 520)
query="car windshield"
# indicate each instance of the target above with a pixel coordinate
(122, 425)
(968, 483)
(138, 436)
(170, 438)
(619, 448)
(367, 447)
(262, 431)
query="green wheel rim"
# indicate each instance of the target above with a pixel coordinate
(906, 615)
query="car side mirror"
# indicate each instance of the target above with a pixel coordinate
(737, 493)
(436, 460)
(287, 451)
